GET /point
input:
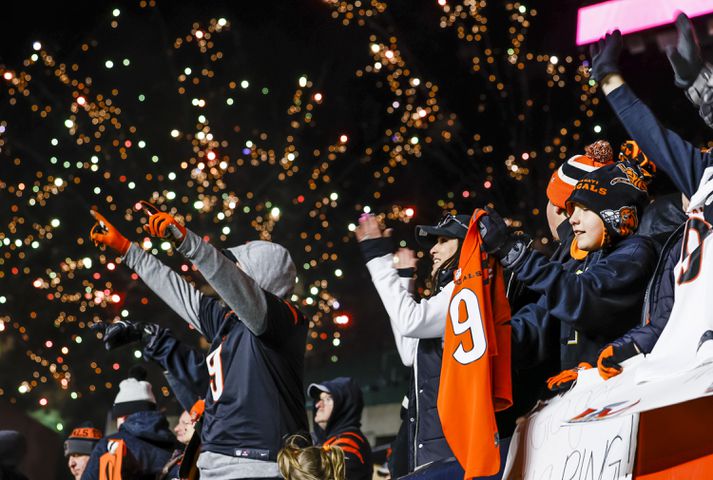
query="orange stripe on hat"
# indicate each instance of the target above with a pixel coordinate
(86, 433)
(564, 179)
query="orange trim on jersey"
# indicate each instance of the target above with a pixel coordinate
(354, 434)
(347, 444)
(353, 449)
(110, 463)
(197, 410)
(294, 312)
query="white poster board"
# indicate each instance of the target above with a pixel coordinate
(546, 447)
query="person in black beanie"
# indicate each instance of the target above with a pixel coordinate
(78, 447)
(13, 447)
(597, 294)
(142, 428)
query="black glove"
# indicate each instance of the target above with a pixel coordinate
(685, 57)
(497, 240)
(123, 332)
(605, 55)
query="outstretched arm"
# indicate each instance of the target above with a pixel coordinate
(180, 295)
(683, 162)
(186, 365)
(237, 289)
(589, 300)
(409, 318)
(424, 319)
(240, 292)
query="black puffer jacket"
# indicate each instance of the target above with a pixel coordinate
(663, 222)
(148, 440)
(425, 435)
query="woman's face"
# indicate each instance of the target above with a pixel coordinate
(444, 249)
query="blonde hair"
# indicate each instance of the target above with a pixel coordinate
(310, 463)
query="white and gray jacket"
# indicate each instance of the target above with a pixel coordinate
(418, 328)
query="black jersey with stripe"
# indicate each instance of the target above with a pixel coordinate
(256, 394)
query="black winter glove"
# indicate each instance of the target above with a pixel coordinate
(685, 57)
(497, 240)
(605, 55)
(123, 332)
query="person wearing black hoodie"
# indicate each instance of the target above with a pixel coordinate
(337, 423)
(143, 429)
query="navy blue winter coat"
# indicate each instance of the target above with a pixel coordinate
(184, 367)
(663, 222)
(592, 302)
(684, 164)
(147, 438)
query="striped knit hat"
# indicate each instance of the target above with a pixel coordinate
(564, 179)
(82, 440)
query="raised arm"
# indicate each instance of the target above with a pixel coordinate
(424, 319)
(682, 161)
(178, 294)
(181, 296)
(238, 290)
(589, 300)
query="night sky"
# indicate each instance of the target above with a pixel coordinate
(273, 120)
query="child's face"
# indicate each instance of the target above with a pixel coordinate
(588, 228)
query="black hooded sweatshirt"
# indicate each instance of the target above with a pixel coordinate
(344, 426)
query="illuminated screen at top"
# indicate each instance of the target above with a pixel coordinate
(631, 16)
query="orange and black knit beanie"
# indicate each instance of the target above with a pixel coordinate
(564, 179)
(82, 440)
(617, 193)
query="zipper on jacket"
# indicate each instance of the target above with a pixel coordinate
(418, 415)
(664, 253)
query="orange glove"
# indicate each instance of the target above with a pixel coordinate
(611, 357)
(566, 378)
(104, 233)
(161, 224)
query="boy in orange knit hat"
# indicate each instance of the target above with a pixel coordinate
(564, 179)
